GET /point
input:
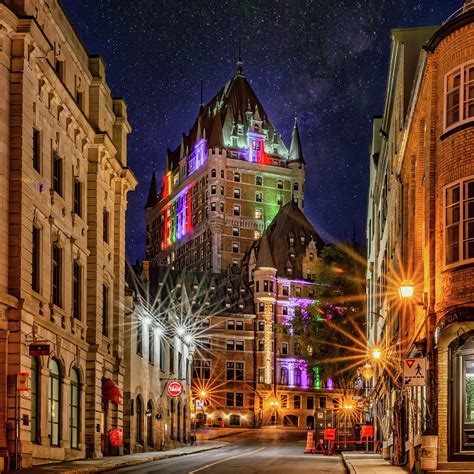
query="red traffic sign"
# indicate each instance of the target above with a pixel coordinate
(175, 389)
(39, 349)
(367, 431)
(329, 434)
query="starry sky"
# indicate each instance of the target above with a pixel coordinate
(325, 60)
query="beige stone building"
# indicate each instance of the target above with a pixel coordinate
(63, 195)
(421, 228)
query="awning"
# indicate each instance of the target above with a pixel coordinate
(111, 391)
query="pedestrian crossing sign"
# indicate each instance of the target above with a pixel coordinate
(414, 372)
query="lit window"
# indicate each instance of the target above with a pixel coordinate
(213, 206)
(213, 173)
(280, 184)
(213, 189)
(257, 234)
(237, 177)
(235, 231)
(459, 84)
(259, 197)
(235, 247)
(258, 213)
(236, 210)
(459, 225)
(231, 324)
(236, 193)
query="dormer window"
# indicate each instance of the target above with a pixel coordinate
(302, 240)
(291, 239)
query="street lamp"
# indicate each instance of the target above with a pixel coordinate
(406, 289)
(376, 353)
(367, 371)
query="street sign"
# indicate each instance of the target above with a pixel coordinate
(320, 415)
(39, 349)
(329, 434)
(414, 371)
(175, 389)
(22, 381)
(367, 431)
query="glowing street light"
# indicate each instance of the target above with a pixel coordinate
(406, 289)
(376, 353)
(202, 394)
(367, 371)
(181, 331)
(188, 338)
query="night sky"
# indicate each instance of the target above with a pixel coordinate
(325, 60)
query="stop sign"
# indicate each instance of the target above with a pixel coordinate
(175, 389)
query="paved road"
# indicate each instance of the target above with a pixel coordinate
(254, 452)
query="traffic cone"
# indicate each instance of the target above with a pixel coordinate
(309, 443)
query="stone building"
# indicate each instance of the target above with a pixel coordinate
(63, 194)
(157, 353)
(420, 229)
(223, 184)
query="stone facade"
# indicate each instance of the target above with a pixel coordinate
(420, 164)
(64, 183)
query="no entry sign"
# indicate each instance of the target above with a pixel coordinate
(175, 389)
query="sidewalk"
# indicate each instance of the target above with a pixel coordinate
(368, 463)
(215, 433)
(115, 462)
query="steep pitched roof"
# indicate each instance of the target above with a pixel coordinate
(152, 192)
(296, 151)
(285, 241)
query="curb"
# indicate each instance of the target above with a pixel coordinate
(112, 465)
(347, 464)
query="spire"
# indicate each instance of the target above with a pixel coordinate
(296, 152)
(152, 193)
(201, 103)
(216, 138)
(256, 114)
(264, 257)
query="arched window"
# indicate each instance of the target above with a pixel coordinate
(139, 420)
(298, 377)
(149, 423)
(284, 376)
(75, 408)
(54, 403)
(35, 402)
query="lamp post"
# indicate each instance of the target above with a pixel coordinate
(274, 404)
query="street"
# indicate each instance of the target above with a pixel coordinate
(261, 451)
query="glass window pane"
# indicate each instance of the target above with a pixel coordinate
(469, 391)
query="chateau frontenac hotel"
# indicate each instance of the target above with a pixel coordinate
(228, 223)
(223, 184)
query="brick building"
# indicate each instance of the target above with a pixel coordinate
(63, 194)
(420, 228)
(223, 184)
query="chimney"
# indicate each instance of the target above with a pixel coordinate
(468, 5)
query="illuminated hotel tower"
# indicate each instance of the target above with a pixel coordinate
(223, 184)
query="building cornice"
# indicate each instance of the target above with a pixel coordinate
(449, 27)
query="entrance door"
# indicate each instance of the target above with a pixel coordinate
(462, 402)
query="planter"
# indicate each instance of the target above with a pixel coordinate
(429, 453)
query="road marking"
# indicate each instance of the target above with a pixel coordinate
(224, 460)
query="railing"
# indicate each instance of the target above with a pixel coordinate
(469, 5)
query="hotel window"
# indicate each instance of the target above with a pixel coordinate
(229, 399)
(284, 401)
(297, 401)
(261, 325)
(310, 403)
(239, 325)
(239, 345)
(236, 193)
(222, 207)
(259, 197)
(37, 150)
(261, 345)
(322, 402)
(261, 307)
(459, 92)
(235, 247)
(230, 345)
(258, 180)
(201, 369)
(106, 224)
(284, 348)
(213, 206)
(213, 189)
(258, 213)
(106, 310)
(239, 399)
(231, 324)
(76, 290)
(77, 197)
(35, 259)
(75, 408)
(261, 375)
(284, 376)
(57, 174)
(236, 210)
(213, 173)
(54, 403)
(235, 231)
(235, 371)
(459, 222)
(280, 200)
(57, 264)
(280, 184)
(237, 177)
(151, 345)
